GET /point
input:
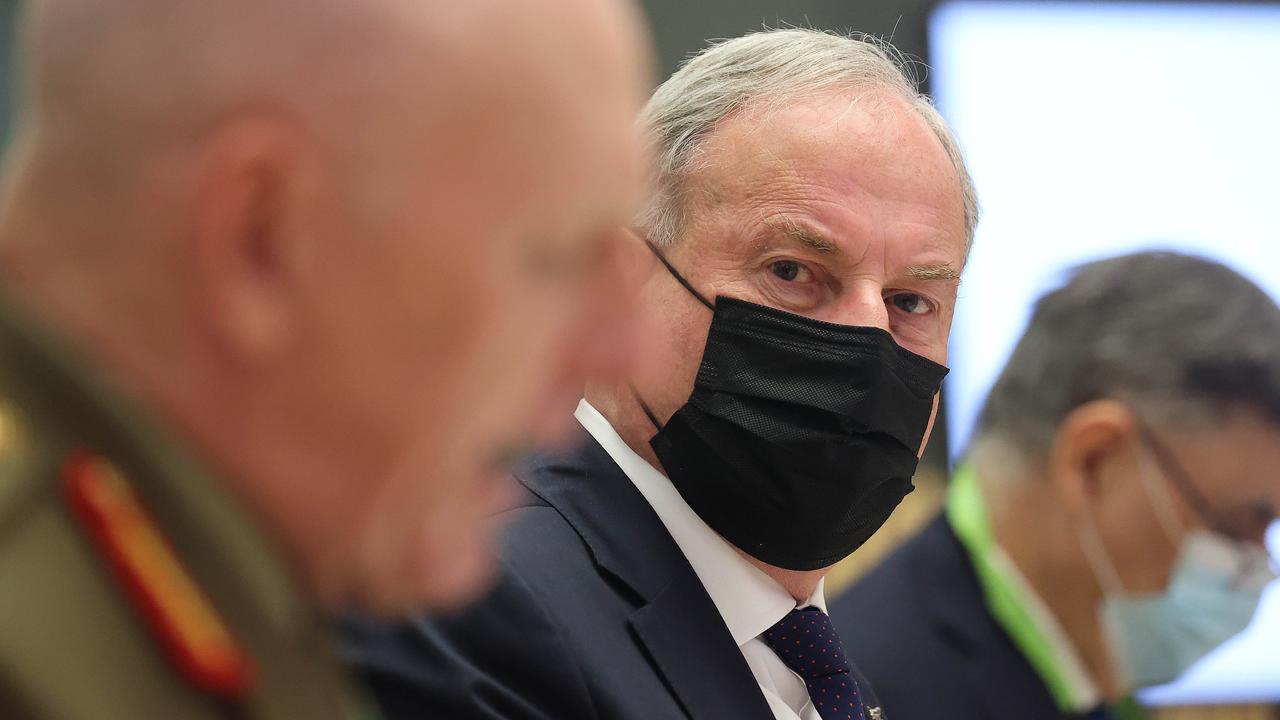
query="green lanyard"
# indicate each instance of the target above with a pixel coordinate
(967, 514)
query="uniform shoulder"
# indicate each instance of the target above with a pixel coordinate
(135, 586)
(70, 645)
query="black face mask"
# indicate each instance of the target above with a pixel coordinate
(800, 436)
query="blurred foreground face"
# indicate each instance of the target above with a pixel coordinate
(354, 251)
(472, 288)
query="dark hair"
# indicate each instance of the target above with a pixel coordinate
(1180, 338)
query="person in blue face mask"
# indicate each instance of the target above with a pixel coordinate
(1107, 527)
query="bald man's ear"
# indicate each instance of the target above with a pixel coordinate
(242, 258)
(1088, 444)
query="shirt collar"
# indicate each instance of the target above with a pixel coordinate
(749, 600)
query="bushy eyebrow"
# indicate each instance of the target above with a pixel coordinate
(806, 236)
(938, 272)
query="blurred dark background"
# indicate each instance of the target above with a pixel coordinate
(683, 26)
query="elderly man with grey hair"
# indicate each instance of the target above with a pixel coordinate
(1107, 529)
(797, 268)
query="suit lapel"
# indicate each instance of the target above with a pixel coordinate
(675, 620)
(711, 679)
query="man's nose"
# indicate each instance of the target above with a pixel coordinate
(862, 304)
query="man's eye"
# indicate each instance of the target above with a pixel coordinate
(910, 303)
(788, 270)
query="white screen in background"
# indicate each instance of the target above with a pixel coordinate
(1094, 129)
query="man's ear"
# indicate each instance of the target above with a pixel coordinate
(242, 263)
(1087, 443)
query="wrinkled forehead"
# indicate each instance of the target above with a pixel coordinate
(848, 136)
(847, 154)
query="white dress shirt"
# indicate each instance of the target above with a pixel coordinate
(749, 600)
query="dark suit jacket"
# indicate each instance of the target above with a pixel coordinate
(597, 615)
(919, 628)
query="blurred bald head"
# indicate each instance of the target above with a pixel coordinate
(112, 80)
(311, 233)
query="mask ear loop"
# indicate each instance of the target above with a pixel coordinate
(1104, 571)
(1096, 555)
(687, 286)
(676, 274)
(1091, 540)
(645, 407)
(1163, 507)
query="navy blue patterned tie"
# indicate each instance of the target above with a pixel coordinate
(807, 642)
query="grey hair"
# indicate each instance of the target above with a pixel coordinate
(770, 65)
(1182, 340)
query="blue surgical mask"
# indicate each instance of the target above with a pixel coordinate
(1213, 592)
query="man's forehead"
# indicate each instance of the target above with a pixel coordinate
(837, 145)
(806, 122)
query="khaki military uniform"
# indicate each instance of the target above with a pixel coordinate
(132, 587)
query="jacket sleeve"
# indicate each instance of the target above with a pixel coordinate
(501, 659)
